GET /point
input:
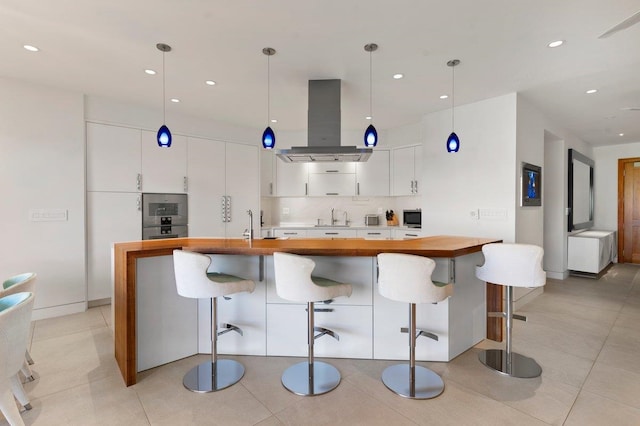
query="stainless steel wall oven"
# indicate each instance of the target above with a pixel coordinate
(164, 216)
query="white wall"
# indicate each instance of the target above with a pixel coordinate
(606, 182)
(480, 176)
(42, 167)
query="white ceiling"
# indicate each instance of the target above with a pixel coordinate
(102, 48)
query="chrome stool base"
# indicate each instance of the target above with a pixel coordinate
(203, 378)
(311, 379)
(427, 384)
(520, 366)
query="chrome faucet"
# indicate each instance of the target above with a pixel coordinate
(248, 233)
(346, 218)
(333, 219)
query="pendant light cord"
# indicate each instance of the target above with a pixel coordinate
(268, 89)
(453, 92)
(371, 84)
(164, 105)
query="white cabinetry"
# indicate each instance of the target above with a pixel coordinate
(407, 170)
(350, 317)
(112, 217)
(164, 169)
(407, 234)
(374, 234)
(591, 251)
(331, 233)
(332, 179)
(267, 173)
(373, 175)
(216, 170)
(113, 158)
(290, 233)
(292, 179)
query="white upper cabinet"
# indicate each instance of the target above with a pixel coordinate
(206, 178)
(292, 179)
(113, 158)
(373, 175)
(164, 169)
(407, 170)
(331, 168)
(267, 173)
(336, 184)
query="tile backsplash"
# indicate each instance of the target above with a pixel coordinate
(306, 211)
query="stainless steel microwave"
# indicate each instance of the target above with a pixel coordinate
(412, 218)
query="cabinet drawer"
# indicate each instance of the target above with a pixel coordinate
(289, 233)
(287, 331)
(380, 234)
(332, 233)
(332, 168)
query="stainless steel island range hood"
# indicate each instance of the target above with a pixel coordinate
(324, 129)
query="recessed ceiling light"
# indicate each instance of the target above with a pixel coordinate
(444, 96)
(556, 43)
(620, 134)
(31, 48)
(590, 91)
(210, 83)
(368, 117)
(150, 72)
(175, 100)
(398, 76)
(273, 120)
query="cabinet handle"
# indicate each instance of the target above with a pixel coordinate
(226, 208)
(290, 233)
(331, 233)
(185, 184)
(331, 171)
(410, 235)
(332, 193)
(138, 203)
(306, 189)
(358, 188)
(139, 182)
(271, 188)
(412, 188)
(416, 186)
(373, 233)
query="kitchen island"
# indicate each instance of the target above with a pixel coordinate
(153, 325)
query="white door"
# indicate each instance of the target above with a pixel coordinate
(243, 186)
(403, 171)
(113, 158)
(291, 179)
(373, 175)
(111, 217)
(206, 178)
(163, 169)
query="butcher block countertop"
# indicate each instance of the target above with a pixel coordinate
(126, 254)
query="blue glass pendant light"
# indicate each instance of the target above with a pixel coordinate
(268, 137)
(370, 134)
(164, 134)
(453, 141)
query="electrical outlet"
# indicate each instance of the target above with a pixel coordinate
(285, 210)
(379, 210)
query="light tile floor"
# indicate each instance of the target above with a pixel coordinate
(584, 333)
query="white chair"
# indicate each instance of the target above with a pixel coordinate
(407, 278)
(295, 283)
(17, 284)
(193, 281)
(511, 265)
(15, 318)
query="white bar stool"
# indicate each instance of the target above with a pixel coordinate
(295, 283)
(407, 278)
(193, 280)
(511, 265)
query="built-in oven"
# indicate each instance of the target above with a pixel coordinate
(164, 216)
(412, 218)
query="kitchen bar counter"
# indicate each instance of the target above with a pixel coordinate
(126, 257)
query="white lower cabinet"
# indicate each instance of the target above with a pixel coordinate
(287, 330)
(290, 233)
(244, 310)
(331, 233)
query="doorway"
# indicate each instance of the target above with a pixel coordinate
(629, 210)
